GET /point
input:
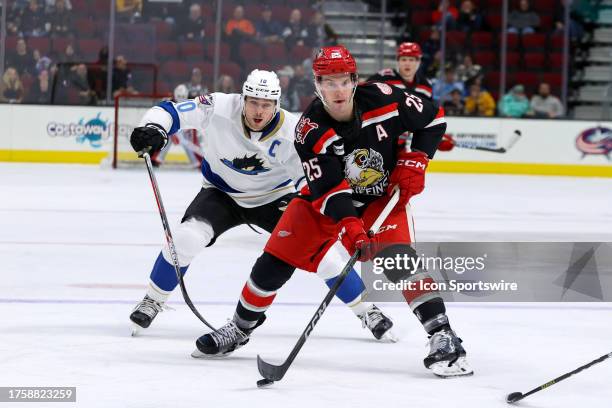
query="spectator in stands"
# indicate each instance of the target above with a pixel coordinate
(430, 48)
(80, 83)
(22, 59)
(523, 20)
(196, 86)
(60, 20)
(33, 20)
(545, 105)
(468, 71)
(43, 63)
(450, 19)
(442, 89)
(300, 84)
(69, 55)
(514, 104)
(454, 106)
(295, 33)
(469, 19)
(153, 10)
(122, 77)
(238, 29)
(50, 5)
(268, 30)
(128, 10)
(11, 88)
(319, 33)
(97, 73)
(479, 102)
(225, 84)
(576, 27)
(435, 66)
(192, 27)
(40, 92)
(13, 20)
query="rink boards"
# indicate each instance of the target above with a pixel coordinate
(76, 134)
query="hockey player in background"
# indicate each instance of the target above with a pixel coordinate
(407, 75)
(349, 143)
(251, 171)
(186, 138)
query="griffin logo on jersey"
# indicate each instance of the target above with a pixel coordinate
(303, 127)
(364, 170)
(250, 165)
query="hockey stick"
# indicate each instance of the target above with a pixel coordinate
(516, 135)
(517, 396)
(272, 372)
(169, 240)
(482, 148)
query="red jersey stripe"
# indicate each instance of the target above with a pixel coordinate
(317, 148)
(379, 111)
(319, 203)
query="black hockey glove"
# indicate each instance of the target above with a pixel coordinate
(150, 138)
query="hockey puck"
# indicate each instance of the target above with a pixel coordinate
(513, 397)
(264, 383)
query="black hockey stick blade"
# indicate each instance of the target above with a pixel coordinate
(269, 371)
(482, 148)
(273, 372)
(489, 149)
(517, 396)
(166, 226)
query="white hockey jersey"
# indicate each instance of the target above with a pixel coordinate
(254, 168)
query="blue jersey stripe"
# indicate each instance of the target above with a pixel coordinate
(176, 122)
(215, 179)
(283, 184)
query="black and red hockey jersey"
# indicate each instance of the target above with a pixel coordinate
(420, 85)
(348, 164)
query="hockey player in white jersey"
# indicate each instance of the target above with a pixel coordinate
(251, 171)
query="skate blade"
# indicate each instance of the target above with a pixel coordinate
(136, 329)
(198, 354)
(460, 368)
(389, 337)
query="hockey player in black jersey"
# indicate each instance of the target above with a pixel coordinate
(349, 143)
(407, 75)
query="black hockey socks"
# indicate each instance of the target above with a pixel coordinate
(425, 302)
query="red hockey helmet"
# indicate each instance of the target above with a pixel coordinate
(409, 49)
(334, 60)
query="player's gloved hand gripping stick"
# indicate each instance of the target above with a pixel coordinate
(272, 372)
(162, 213)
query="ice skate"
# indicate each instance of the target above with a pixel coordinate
(144, 313)
(224, 341)
(446, 356)
(379, 324)
(221, 343)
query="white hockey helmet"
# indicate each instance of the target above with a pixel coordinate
(181, 93)
(262, 84)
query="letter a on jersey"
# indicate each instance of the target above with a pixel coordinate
(382, 134)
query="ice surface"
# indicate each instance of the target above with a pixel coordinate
(77, 244)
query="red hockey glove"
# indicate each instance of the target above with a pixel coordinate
(354, 236)
(446, 144)
(409, 175)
